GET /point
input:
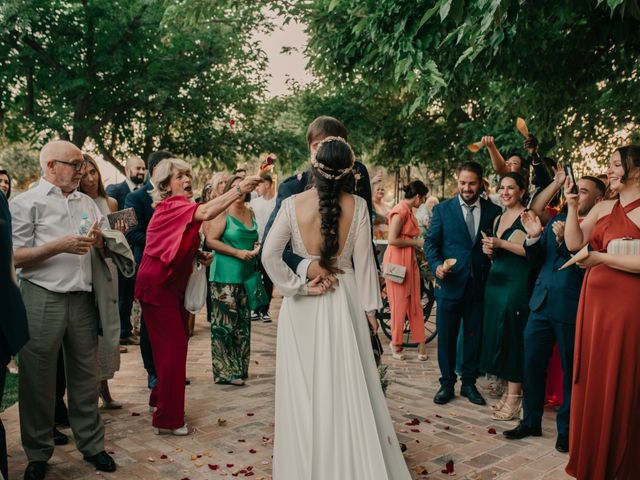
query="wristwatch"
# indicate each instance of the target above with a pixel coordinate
(239, 190)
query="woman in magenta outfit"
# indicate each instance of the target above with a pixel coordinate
(173, 241)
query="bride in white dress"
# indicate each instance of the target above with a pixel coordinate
(332, 421)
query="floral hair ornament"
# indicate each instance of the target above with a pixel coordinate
(328, 172)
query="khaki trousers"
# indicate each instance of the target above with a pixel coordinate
(70, 320)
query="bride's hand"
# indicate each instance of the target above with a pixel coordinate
(321, 285)
(373, 321)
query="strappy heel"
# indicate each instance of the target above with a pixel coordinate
(396, 352)
(509, 412)
(498, 406)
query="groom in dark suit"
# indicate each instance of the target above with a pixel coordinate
(454, 233)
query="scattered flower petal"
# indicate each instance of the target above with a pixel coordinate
(213, 466)
(135, 414)
(250, 414)
(415, 430)
(492, 431)
(253, 450)
(163, 456)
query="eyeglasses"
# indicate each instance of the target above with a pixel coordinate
(76, 165)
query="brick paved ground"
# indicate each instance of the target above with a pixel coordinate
(234, 426)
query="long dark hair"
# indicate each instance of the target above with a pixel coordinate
(630, 156)
(333, 156)
(101, 191)
(4, 172)
(521, 182)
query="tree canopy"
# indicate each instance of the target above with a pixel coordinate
(133, 75)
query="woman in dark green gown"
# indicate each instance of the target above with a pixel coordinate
(506, 298)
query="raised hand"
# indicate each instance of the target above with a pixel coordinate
(572, 198)
(559, 175)
(531, 223)
(488, 141)
(250, 183)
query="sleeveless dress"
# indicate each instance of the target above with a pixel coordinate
(332, 420)
(505, 312)
(605, 402)
(230, 313)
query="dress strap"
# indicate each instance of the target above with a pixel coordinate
(631, 206)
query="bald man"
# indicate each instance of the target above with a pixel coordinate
(135, 171)
(54, 229)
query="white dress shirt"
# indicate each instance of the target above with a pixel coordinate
(43, 214)
(476, 212)
(262, 209)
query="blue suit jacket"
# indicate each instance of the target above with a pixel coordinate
(119, 191)
(556, 292)
(448, 237)
(141, 202)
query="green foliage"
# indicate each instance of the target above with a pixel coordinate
(449, 71)
(133, 76)
(21, 161)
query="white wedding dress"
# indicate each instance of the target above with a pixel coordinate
(332, 421)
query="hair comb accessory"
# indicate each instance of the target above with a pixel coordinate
(332, 173)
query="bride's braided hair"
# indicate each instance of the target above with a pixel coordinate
(331, 167)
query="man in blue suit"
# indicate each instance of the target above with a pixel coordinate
(141, 202)
(135, 171)
(552, 317)
(454, 233)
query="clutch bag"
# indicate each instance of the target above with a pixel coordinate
(394, 272)
(624, 246)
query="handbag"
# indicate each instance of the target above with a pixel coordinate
(256, 294)
(394, 272)
(195, 295)
(376, 345)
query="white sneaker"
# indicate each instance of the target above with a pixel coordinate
(180, 432)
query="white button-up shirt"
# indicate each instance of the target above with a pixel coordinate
(43, 214)
(476, 211)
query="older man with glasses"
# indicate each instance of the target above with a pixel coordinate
(54, 229)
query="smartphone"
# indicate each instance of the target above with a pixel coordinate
(568, 171)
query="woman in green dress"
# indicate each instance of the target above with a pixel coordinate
(506, 298)
(233, 236)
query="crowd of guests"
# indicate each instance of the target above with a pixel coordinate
(504, 298)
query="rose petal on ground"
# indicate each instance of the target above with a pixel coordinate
(492, 431)
(253, 450)
(163, 456)
(415, 430)
(135, 414)
(250, 414)
(213, 466)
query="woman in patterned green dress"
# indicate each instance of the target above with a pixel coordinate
(233, 237)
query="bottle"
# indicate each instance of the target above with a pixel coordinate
(85, 224)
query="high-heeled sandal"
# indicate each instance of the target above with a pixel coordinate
(422, 353)
(498, 406)
(509, 412)
(396, 352)
(109, 405)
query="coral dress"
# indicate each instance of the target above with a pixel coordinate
(404, 298)
(605, 404)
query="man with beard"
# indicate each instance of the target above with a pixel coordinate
(454, 233)
(553, 305)
(135, 171)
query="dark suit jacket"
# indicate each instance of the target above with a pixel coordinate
(448, 237)
(297, 184)
(556, 292)
(141, 202)
(14, 331)
(119, 191)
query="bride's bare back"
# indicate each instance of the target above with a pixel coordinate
(308, 217)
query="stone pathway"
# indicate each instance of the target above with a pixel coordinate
(234, 426)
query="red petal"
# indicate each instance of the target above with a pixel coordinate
(492, 431)
(450, 466)
(447, 427)
(163, 456)
(413, 421)
(250, 414)
(249, 474)
(135, 414)
(415, 430)
(438, 416)
(213, 466)
(241, 440)
(252, 450)
(229, 465)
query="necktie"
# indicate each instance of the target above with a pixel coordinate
(468, 219)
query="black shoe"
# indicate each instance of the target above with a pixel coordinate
(35, 471)
(102, 461)
(152, 381)
(444, 395)
(472, 393)
(522, 431)
(59, 438)
(562, 443)
(187, 381)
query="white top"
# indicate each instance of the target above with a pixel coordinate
(262, 209)
(43, 214)
(476, 211)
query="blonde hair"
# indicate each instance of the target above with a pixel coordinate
(215, 181)
(162, 175)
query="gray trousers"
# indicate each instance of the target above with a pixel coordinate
(70, 320)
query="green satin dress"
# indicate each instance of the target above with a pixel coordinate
(230, 313)
(506, 309)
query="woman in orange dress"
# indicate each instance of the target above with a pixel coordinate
(604, 434)
(404, 298)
